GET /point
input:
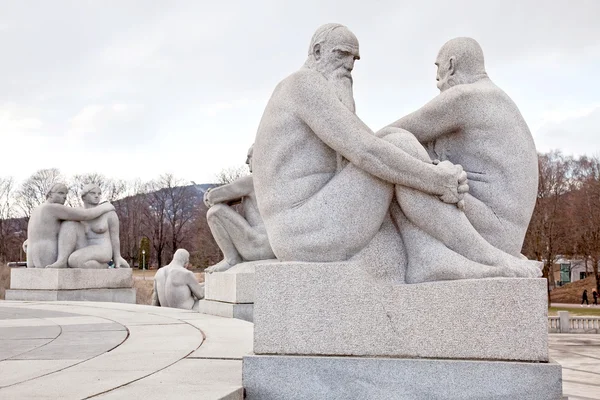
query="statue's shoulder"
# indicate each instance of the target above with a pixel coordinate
(304, 79)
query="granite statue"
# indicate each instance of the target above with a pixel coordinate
(93, 243)
(325, 183)
(472, 122)
(46, 221)
(175, 286)
(240, 236)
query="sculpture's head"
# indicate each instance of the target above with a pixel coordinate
(181, 257)
(57, 193)
(249, 158)
(332, 52)
(459, 61)
(91, 194)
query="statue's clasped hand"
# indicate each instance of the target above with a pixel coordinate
(454, 191)
(206, 200)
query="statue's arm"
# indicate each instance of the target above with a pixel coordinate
(78, 214)
(232, 191)
(443, 115)
(344, 132)
(115, 242)
(196, 288)
(155, 300)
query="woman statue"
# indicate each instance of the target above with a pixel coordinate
(93, 243)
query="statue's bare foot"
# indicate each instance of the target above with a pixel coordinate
(221, 266)
(58, 264)
(525, 269)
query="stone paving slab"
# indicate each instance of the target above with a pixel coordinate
(213, 379)
(30, 332)
(579, 356)
(149, 345)
(15, 371)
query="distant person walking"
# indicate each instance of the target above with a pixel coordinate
(584, 297)
(595, 294)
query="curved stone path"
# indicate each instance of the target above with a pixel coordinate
(81, 350)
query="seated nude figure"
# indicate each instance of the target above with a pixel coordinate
(472, 122)
(241, 237)
(90, 244)
(325, 182)
(175, 286)
(45, 223)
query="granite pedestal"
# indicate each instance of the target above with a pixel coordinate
(71, 284)
(327, 330)
(231, 293)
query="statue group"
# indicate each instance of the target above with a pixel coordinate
(444, 193)
(60, 236)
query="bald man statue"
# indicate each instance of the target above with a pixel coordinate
(45, 223)
(325, 183)
(175, 286)
(472, 122)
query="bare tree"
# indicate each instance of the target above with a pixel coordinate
(228, 175)
(130, 210)
(8, 226)
(154, 219)
(546, 231)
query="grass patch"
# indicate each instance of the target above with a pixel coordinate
(592, 311)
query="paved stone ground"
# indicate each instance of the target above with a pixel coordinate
(81, 350)
(579, 355)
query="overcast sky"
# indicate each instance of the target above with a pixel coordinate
(132, 89)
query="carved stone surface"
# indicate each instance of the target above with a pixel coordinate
(175, 286)
(236, 285)
(59, 279)
(120, 295)
(337, 309)
(341, 378)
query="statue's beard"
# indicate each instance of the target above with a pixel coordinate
(342, 86)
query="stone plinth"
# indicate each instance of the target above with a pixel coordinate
(338, 309)
(333, 378)
(236, 285)
(70, 278)
(72, 284)
(231, 293)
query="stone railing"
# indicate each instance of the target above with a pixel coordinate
(566, 323)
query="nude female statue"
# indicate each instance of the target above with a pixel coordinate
(90, 244)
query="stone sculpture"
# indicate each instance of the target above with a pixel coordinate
(325, 183)
(93, 243)
(46, 221)
(241, 237)
(175, 286)
(472, 122)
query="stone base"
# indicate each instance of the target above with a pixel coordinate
(109, 295)
(343, 378)
(228, 310)
(339, 309)
(70, 278)
(236, 285)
